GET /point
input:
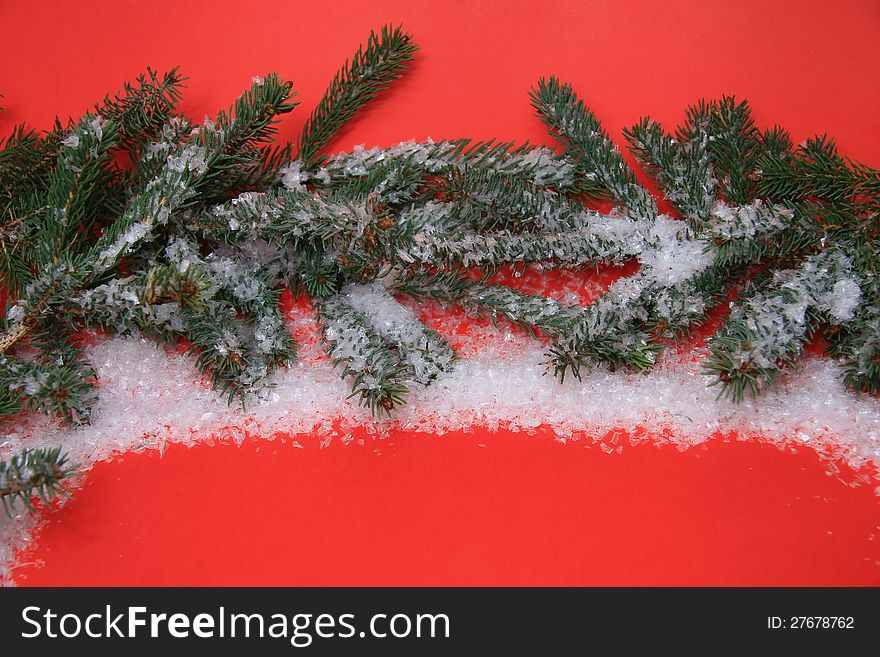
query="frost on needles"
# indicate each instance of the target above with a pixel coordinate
(133, 220)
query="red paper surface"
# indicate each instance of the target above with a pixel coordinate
(473, 508)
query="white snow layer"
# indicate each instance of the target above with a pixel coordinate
(149, 397)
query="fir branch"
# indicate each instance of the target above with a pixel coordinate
(768, 330)
(842, 196)
(185, 284)
(369, 72)
(423, 351)
(859, 349)
(194, 240)
(150, 303)
(317, 274)
(26, 161)
(393, 183)
(143, 108)
(754, 232)
(221, 353)
(15, 272)
(536, 165)
(253, 119)
(263, 172)
(487, 200)
(735, 146)
(601, 240)
(33, 473)
(857, 343)
(249, 291)
(194, 166)
(22, 315)
(681, 166)
(53, 388)
(675, 288)
(611, 330)
(150, 208)
(378, 377)
(673, 311)
(235, 143)
(154, 155)
(579, 132)
(531, 312)
(78, 188)
(20, 157)
(284, 216)
(139, 111)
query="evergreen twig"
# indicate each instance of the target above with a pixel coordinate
(195, 237)
(33, 473)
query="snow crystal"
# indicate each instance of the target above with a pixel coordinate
(191, 158)
(71, 140)
(671, 258)
(844, 299)
(228, 343)
(386, 315)
(133, 234)
(157, 149)
(545, 167)
(168, 315)
(293, 176)
(96, 126)
(15, 314)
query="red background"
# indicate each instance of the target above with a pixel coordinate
(417, 510)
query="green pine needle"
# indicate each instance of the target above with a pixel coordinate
(40, 472)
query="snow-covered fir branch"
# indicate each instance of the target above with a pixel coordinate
(424, 351)
(195, 240)
(768, 329)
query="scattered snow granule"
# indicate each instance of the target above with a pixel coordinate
(96, 125)
(72, 140)
(293, 176)
(191, 158)
(15, 313)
